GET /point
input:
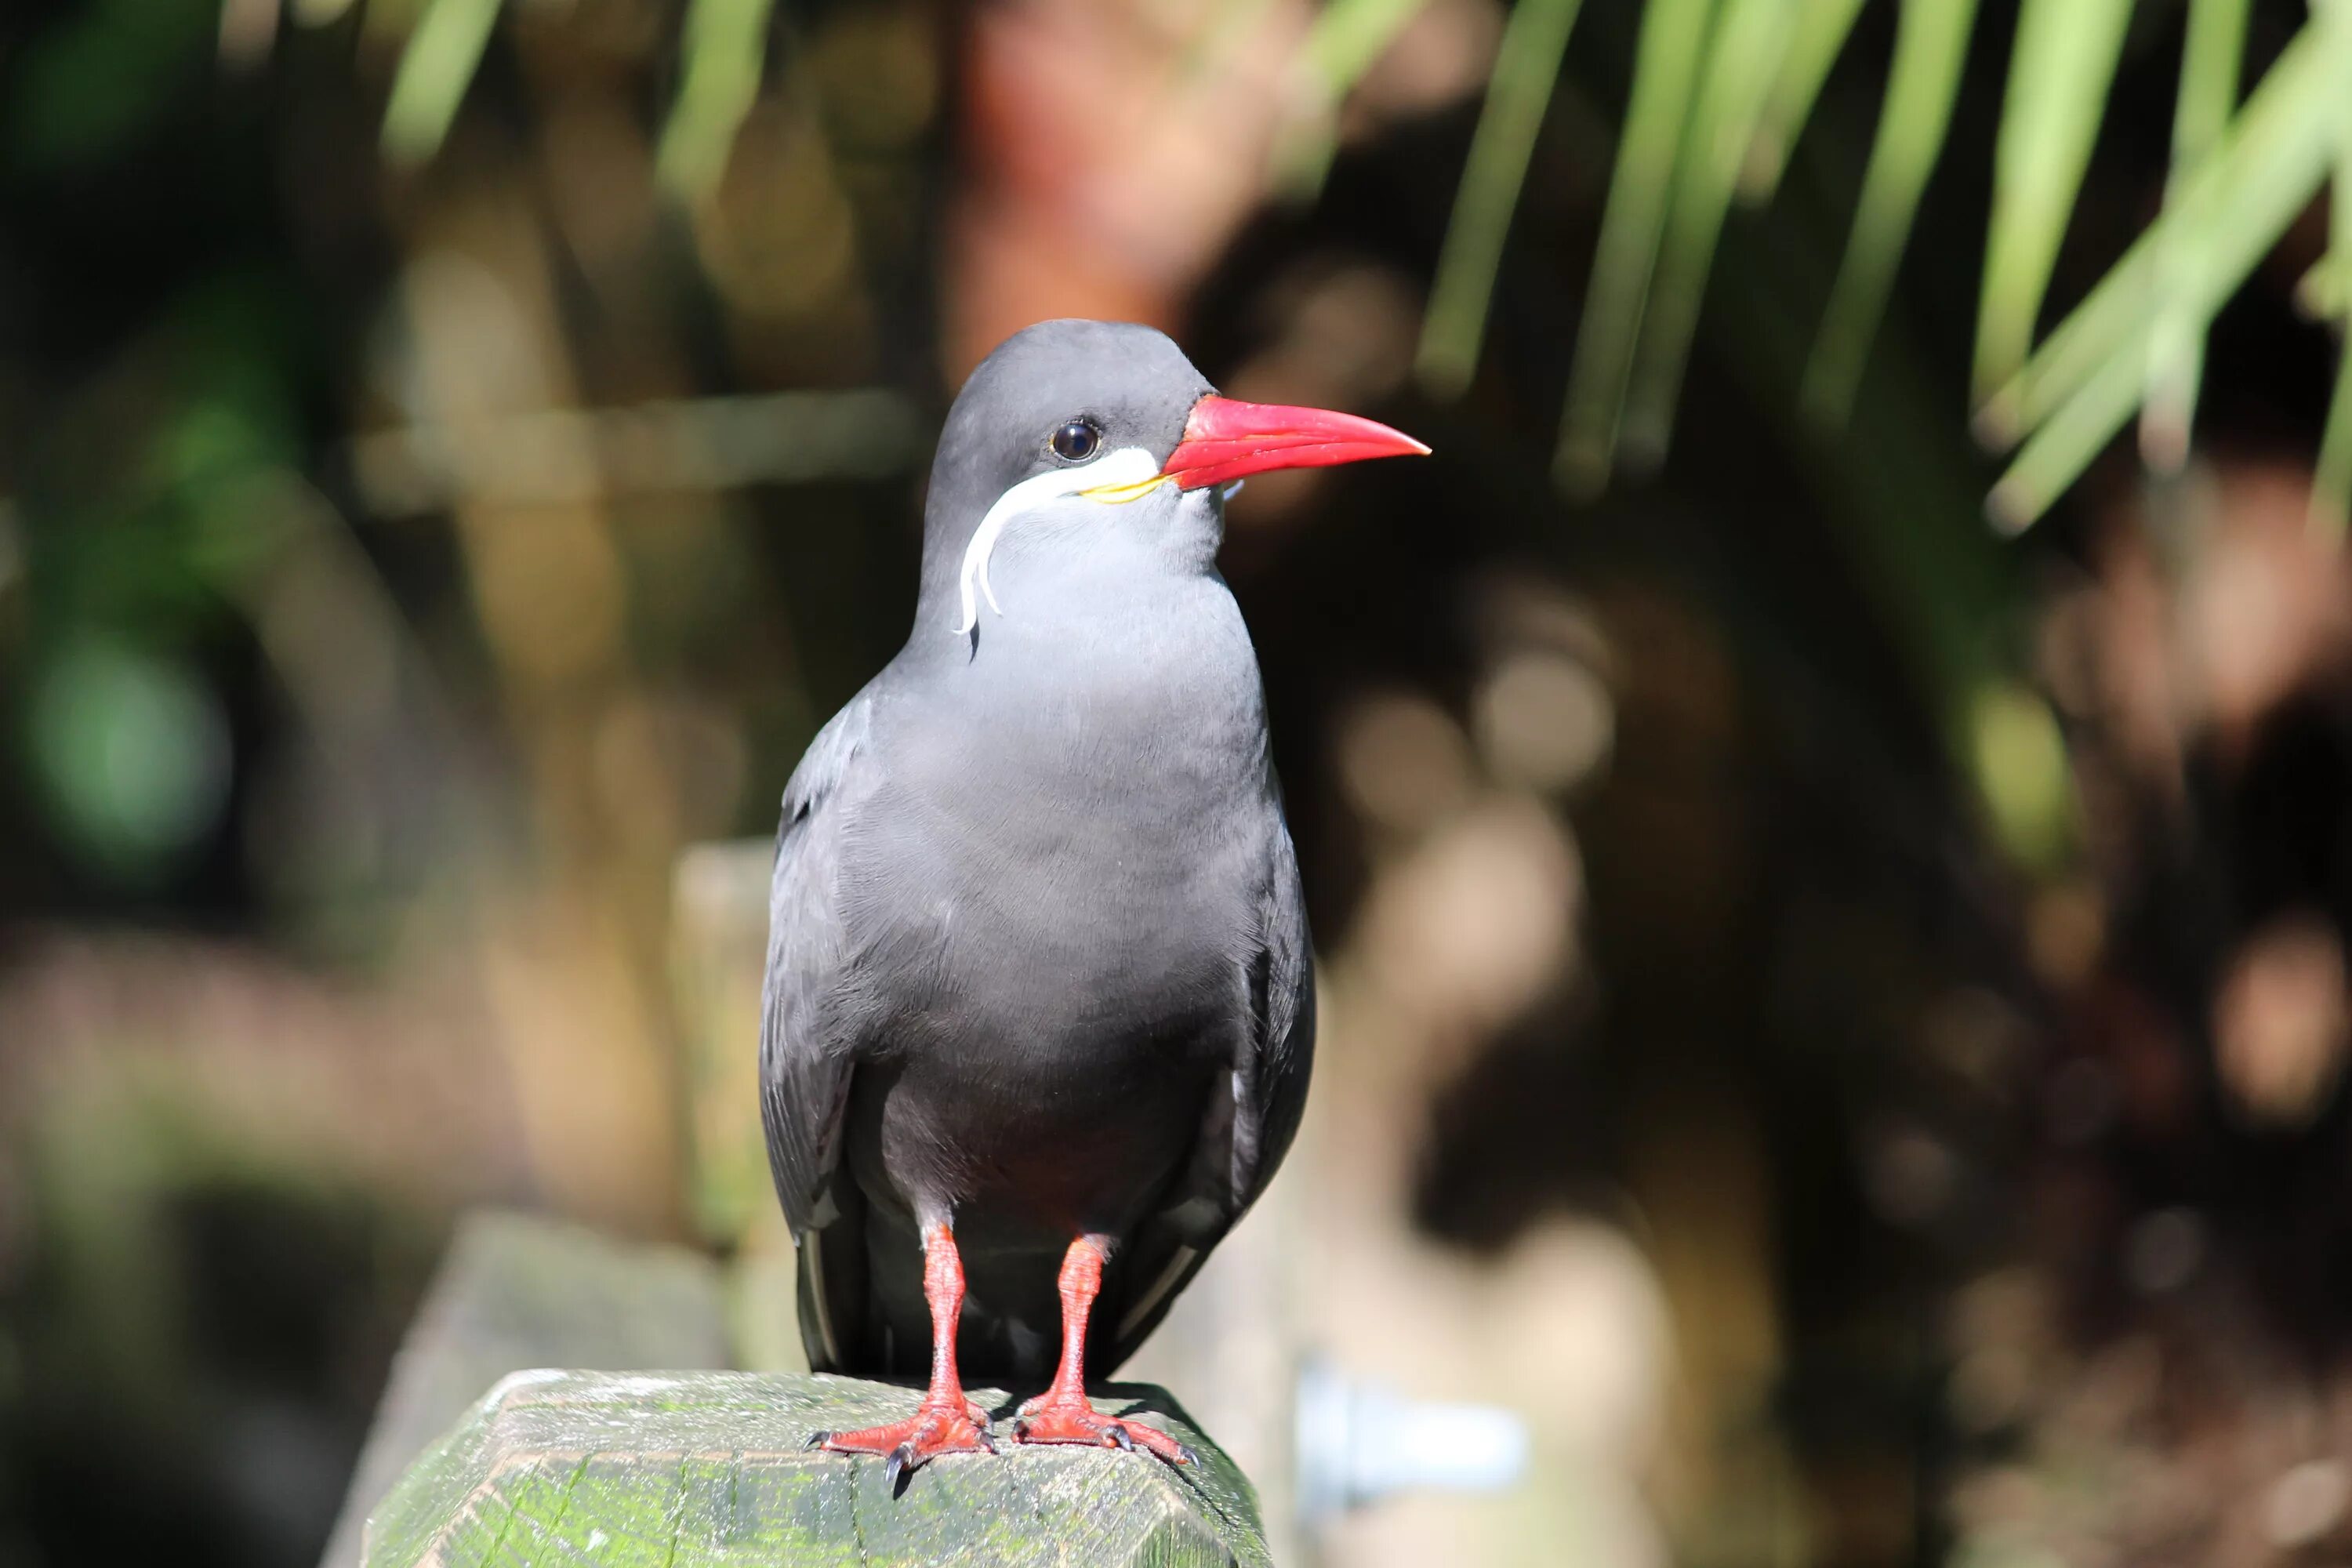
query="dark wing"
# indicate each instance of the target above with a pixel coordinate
(805, 1070)
(1247, 1129)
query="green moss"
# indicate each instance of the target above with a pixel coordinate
(710, 1470)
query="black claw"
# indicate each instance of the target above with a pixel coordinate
(901, 1457)
(1184, 1454)
(1118, 1439)
(987, 1439)
(818, 1439)
(1020, 1430)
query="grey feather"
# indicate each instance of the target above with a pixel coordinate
(1248, 1132)
(806, 1061)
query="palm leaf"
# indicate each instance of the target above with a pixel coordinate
(1817, 39)
(1667, 69)
(435, 68)
(2210, 62)
(1526, 65)
(1347, 37)
(2081, 385)
(725, 45)
(2061, 65)
(1930, 48)
(2331, 483)
(1742, 66)
(2327, 289)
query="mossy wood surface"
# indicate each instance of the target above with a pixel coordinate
(682, 1469)
(518, 1290)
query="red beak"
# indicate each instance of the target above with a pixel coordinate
(1225, 440)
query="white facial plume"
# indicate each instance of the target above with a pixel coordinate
(1112, 480)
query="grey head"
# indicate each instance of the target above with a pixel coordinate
(1058, 408)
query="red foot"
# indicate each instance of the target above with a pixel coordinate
(1058, 1418)
(930, 1431)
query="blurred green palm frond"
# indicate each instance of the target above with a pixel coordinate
(2212, 57)
(1931, 44)
(2084, 382)
(1526, 65)
(1632, 230)
(2060, 67)
(2331, 488)
(725, 43)
(1347, 39)
(2242, 174)
(722, 48)
(443, 51)
(1720, 92)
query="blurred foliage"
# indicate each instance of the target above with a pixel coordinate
(1702, 81)
(95, 81)
(1718, 86)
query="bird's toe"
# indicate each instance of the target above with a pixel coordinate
(1054, 1420)
(910, 1445)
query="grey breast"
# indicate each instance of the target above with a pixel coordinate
(1056, 889)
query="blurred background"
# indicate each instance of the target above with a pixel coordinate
(1835, 1004)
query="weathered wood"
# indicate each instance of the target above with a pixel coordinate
(719, 955)
(518, 1291)
(699, 1469)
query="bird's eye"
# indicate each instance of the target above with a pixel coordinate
(1076, 441)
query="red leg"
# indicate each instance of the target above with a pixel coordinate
(945, 1423)
(1062, 1414)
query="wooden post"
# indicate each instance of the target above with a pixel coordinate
(718, 953)
(521, 1290)
(700, 1469)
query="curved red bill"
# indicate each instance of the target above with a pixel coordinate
(1226, 440)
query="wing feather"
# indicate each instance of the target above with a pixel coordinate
(1248, 1127)
(806, 1065)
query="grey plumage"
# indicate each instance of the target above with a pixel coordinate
(1038, 959)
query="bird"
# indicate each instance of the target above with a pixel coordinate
(1038, 1012)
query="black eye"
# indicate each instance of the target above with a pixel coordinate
(1076, 441)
